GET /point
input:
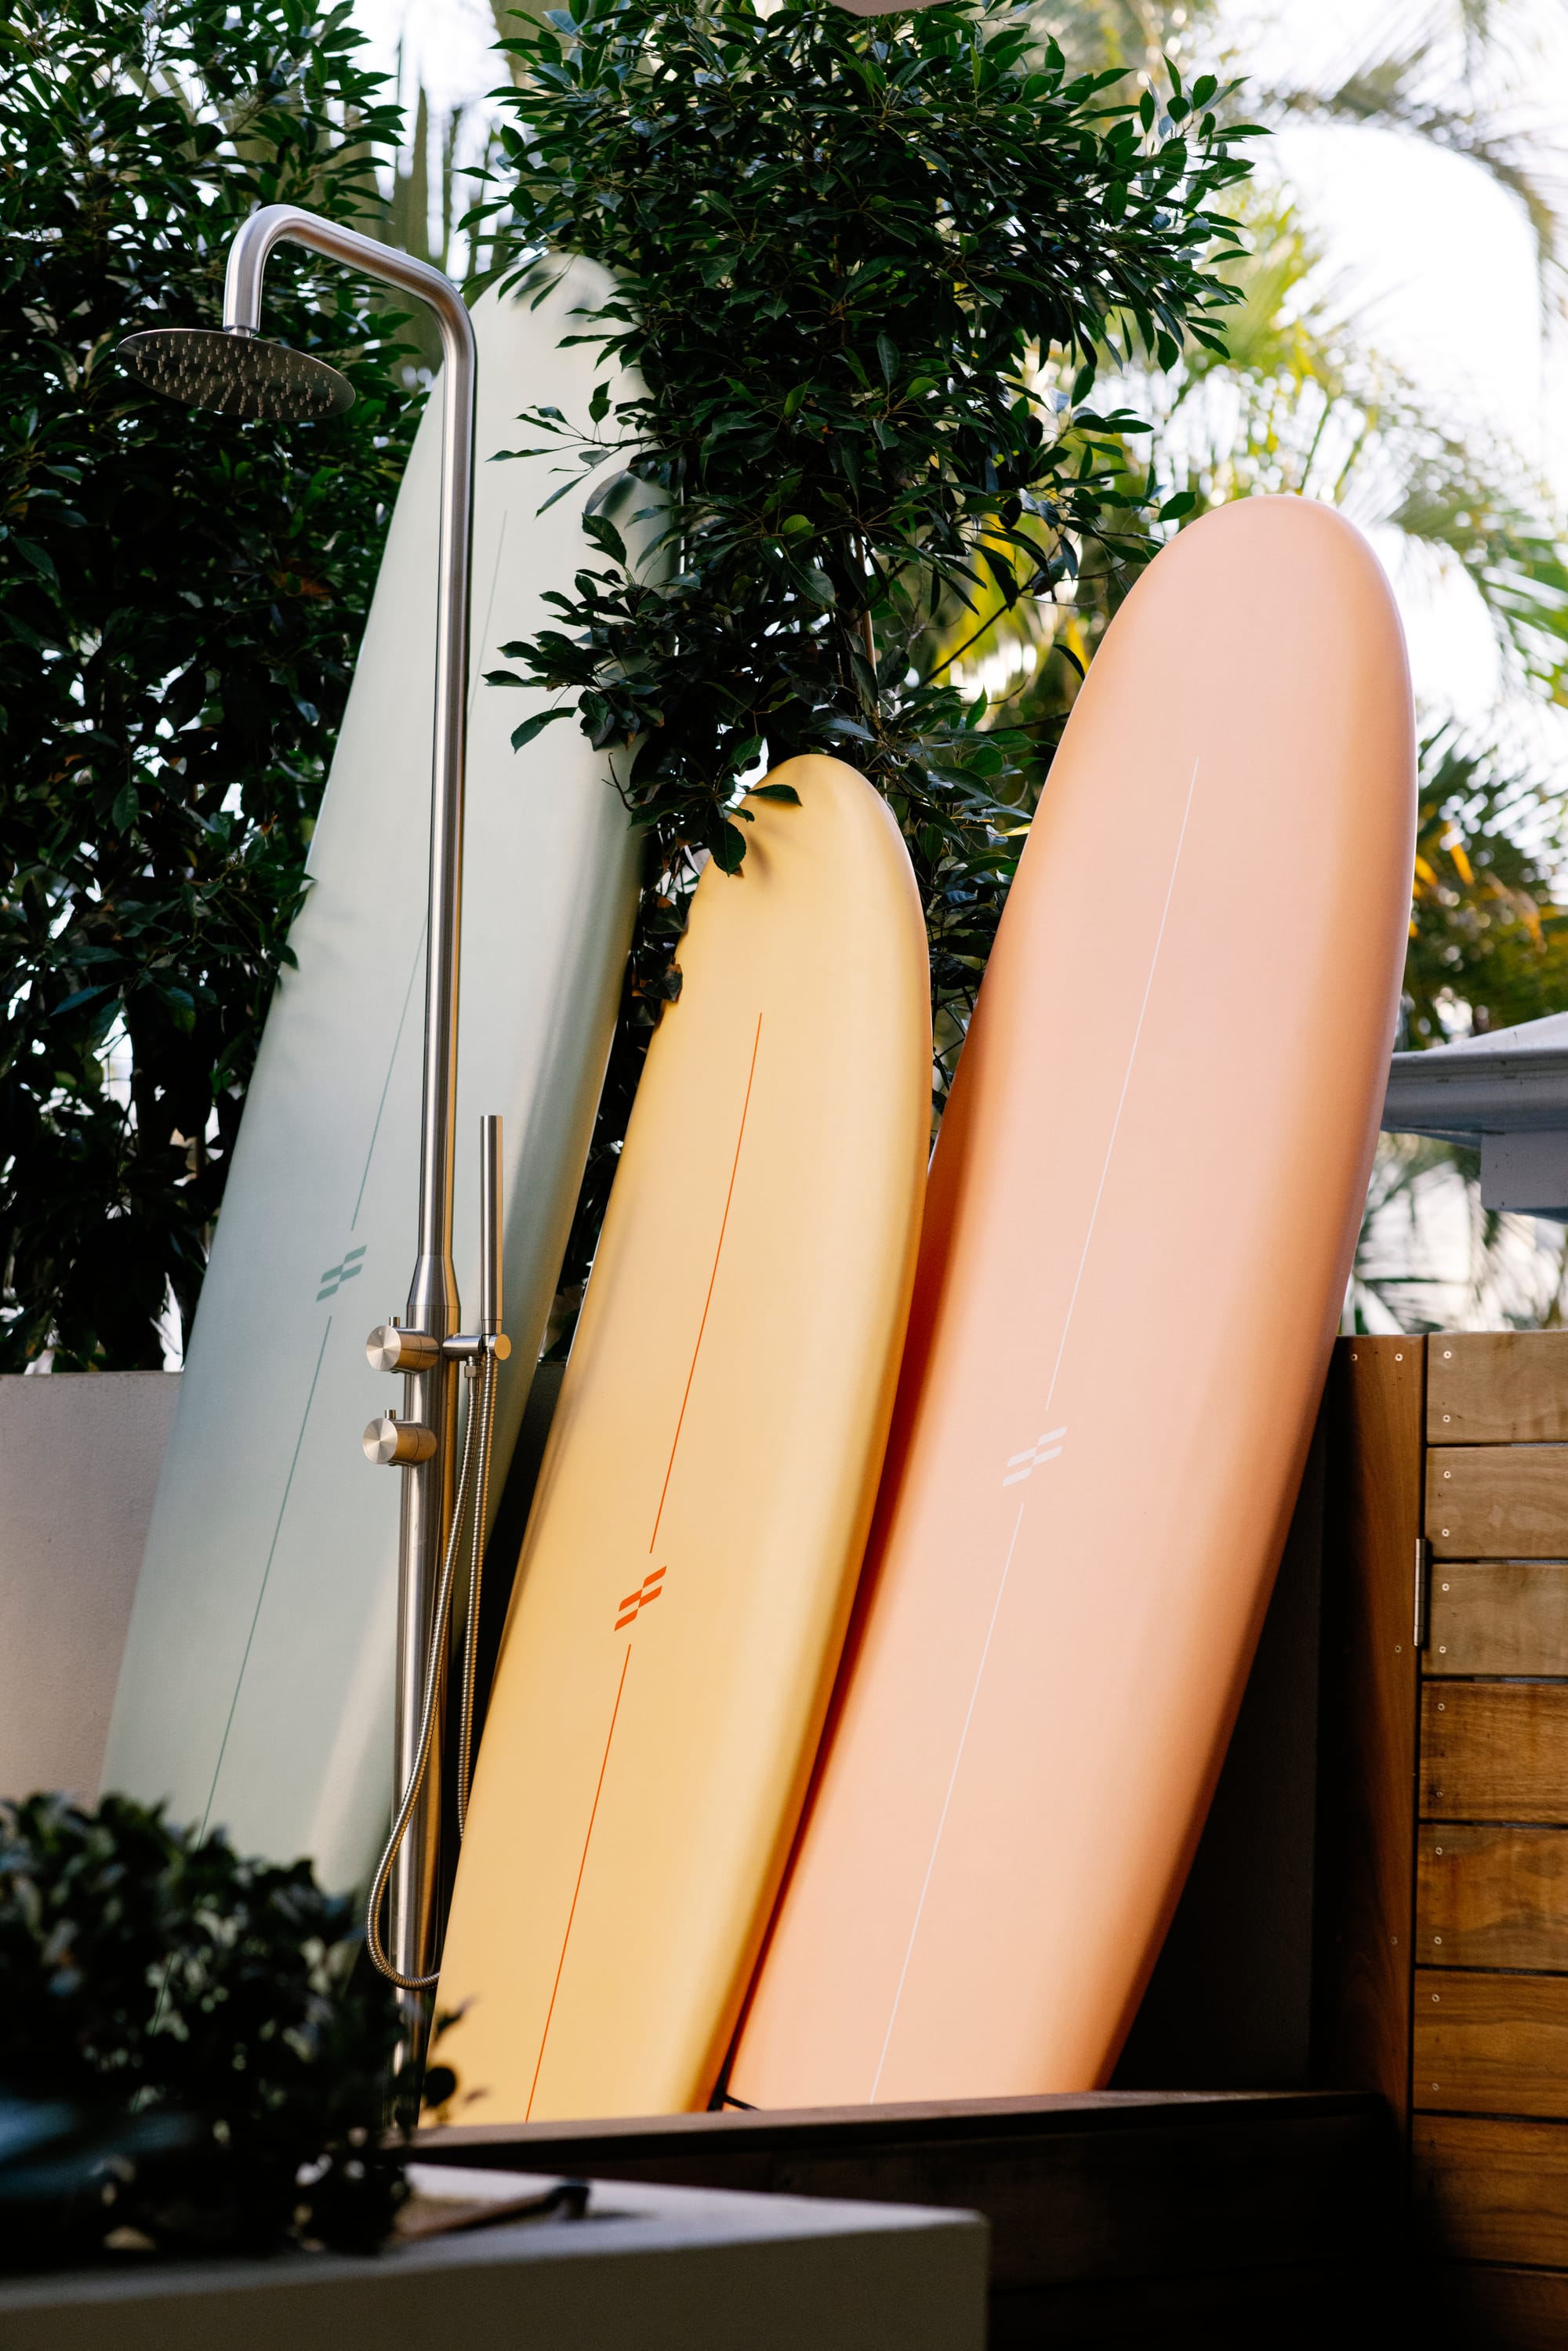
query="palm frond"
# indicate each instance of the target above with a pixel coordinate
(1431, 1257)
(1294, 321)
(1488, 519)
(1406, 92)
(1300, 402)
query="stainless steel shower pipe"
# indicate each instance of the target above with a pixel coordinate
(429, 1392)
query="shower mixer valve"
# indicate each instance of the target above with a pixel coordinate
(397, 1444)
(400, 1445)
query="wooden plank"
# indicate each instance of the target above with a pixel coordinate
(1492, 1898)
(1100, 2189)
(1493, 1501)
(1491, 2045)
(1497, 1387)
(1505, 2310)
(1295, 2309)
(1497, 1616)
(1367, 1789)
(1494, 1751)
(1491, 2191)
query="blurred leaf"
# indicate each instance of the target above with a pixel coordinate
(187, 2049)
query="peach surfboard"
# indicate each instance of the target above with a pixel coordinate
(702, 1505)
(1139, 1225)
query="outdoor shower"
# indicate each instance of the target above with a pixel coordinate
(236, 372)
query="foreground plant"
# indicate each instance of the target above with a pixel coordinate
(195, 2057)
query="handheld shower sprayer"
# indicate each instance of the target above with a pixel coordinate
(235, 370)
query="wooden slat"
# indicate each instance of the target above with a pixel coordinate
(1491, 2045)
(1492, 1898)
(1366, 1799)
(1490, 2191)
(1494, 1751)
(1499, 1616)
(1497, 1387)
(1295, 2309)
(1095, 2191)
(1494, 1501)
(1501, 2309)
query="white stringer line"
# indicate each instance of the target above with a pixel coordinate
(952, 1783)
(1056, 1369)
(1126, 1081)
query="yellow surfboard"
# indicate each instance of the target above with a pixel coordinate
(687, 1572)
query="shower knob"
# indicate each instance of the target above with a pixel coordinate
(394, 1444)
(391, 1348)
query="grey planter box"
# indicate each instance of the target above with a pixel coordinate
(646, 2269)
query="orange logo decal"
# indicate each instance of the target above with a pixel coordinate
(646, 1592)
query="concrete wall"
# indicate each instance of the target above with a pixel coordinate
(80, 1455)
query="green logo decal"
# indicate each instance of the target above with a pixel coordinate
(337, 1275)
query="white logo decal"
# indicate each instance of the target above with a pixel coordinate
(1044, 1449)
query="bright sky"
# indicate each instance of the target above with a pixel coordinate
(446, 44)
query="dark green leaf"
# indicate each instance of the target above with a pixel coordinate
(524, 735)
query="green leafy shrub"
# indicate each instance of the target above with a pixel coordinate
(181, 600)
(190, 2032)
(843, 250)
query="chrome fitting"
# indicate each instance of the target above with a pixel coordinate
(394, 1444)
(391, 1348)
(466, 1346)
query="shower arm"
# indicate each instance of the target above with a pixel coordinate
(435, 1287)
(427, 1348)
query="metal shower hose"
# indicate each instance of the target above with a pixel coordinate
(481, 1414)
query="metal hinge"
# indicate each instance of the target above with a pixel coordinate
(1423, 1582)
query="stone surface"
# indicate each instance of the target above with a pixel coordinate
(79, 1454)
(666, 2269)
